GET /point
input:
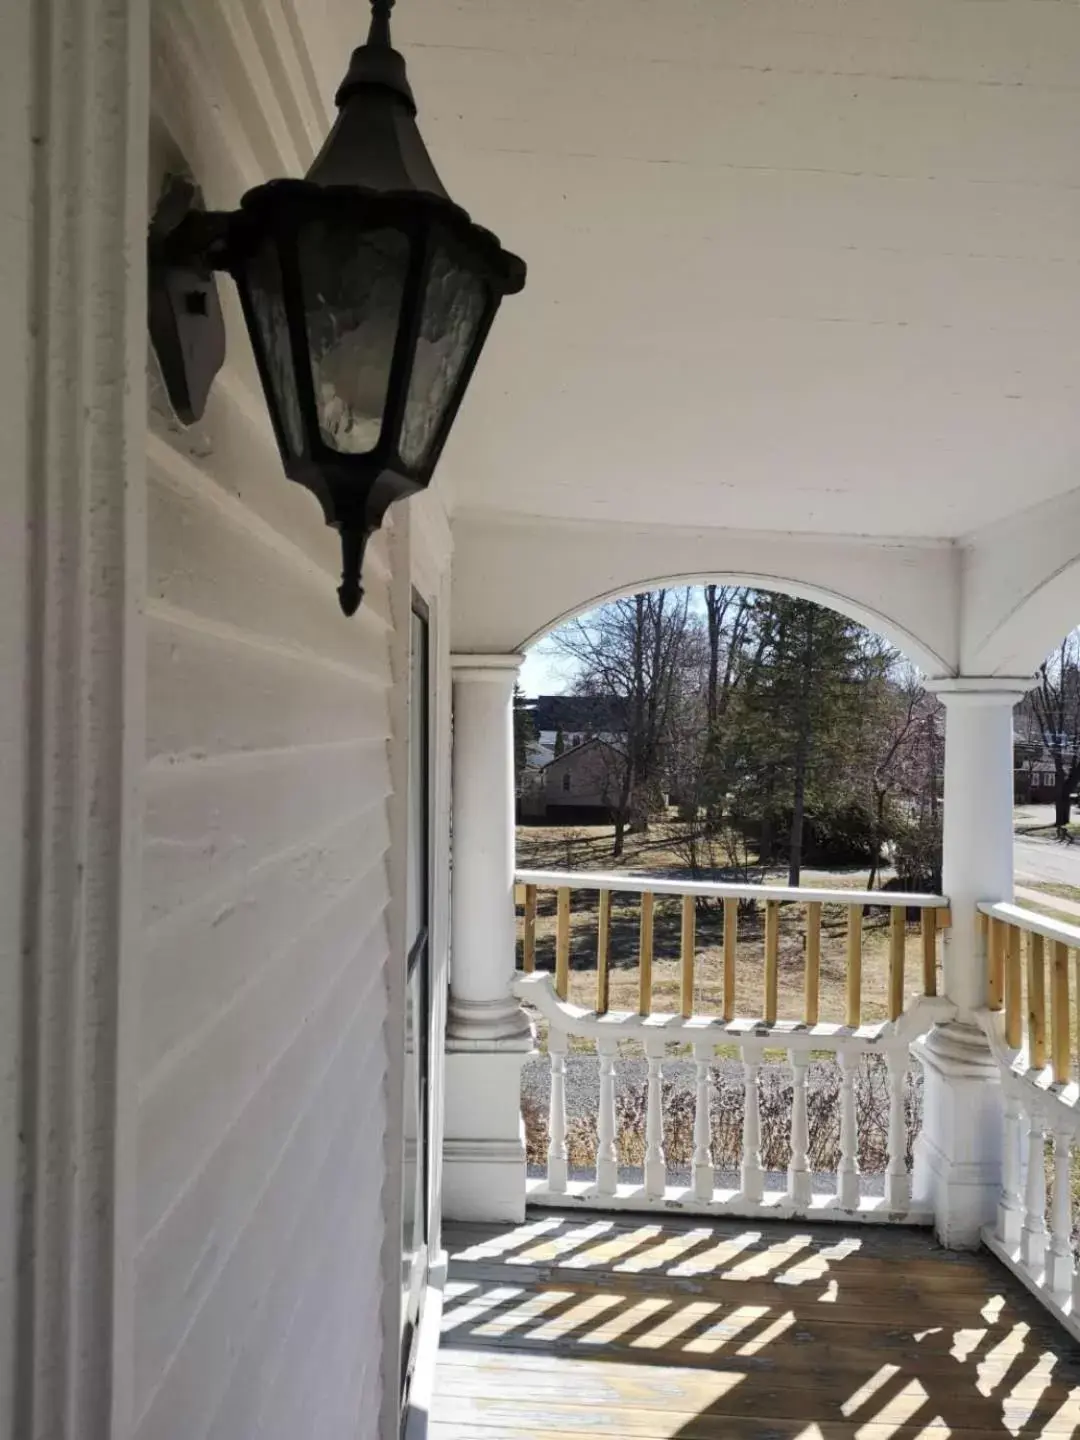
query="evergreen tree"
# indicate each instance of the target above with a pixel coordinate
(560, 743)
(524, 735)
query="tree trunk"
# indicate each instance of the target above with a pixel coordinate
(1062, 803)
(802, 756)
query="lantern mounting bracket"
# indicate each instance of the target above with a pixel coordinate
(186, 245)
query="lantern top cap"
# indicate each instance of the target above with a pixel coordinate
(376, 62)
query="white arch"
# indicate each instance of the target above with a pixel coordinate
(873, 620)
(514, 579)
(1021, 589)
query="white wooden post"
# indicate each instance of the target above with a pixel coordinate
(557, 1156)
(897, 1180)
(1011, 1205)
(1060, 1268)
(958, 1157)
(488, 1035)
(655, 1164)
(1033, 1232)
(703, 1166)
(799, 1183)
(752, 1175)
(607, 1155)
(847, 1179)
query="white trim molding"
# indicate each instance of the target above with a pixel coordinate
(87, 91)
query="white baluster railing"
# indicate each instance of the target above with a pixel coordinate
(800, 1183)
(1039, 1069)
(700, 1188)
(607, 1155)
(703, 1166)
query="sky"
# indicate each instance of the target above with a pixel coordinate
(543, 673)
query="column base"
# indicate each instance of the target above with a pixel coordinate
(484, 1161)
(958, 1155)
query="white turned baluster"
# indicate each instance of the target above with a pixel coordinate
(655, 1166)
(557, 1166)
(1059, 1272)
(703, 1166)
(1033, 1231)
(897, 1181)
(1011, 1205)
(847, 1178)
(753, 1177)
(607, 1155)
(799, 1186)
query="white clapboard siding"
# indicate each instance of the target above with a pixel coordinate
(261, 1061)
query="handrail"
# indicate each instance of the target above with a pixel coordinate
(1006, 974)
(932, 909)
(720, 890)
(1031, 921)
(538, 990)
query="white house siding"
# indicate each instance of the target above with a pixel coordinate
(262, 989)
(262, 1012)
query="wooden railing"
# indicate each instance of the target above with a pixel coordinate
(932, 910)
(1036, 1040)
(700, 1184)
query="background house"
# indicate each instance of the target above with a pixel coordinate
(580, 786)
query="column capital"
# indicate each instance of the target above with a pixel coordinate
(980, 690)
(502, 668)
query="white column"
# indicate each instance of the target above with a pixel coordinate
(958, 1161)
(488, 1036)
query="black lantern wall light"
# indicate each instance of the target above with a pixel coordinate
(367, 292)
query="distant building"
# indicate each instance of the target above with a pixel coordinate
(579, 786)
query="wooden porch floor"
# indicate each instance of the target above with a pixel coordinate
(652, 1328)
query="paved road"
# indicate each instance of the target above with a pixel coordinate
(1047, 860)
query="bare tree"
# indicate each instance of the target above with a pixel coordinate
(633, 651)
(1055, 703)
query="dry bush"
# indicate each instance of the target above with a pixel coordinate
(726, 1115)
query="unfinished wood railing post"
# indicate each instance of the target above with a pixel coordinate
(562, 943)
(813, 963)
(1036, 986)
(772, 959)
(854, 964)
(897, 942)
(645, 954)
(929, 951)
(1059, 1011)
(603, 940)
(1014, 1020)
(688, 941)
(731, 940)
(996, 965)
(528, 949)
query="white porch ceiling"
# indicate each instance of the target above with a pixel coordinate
(804, 266)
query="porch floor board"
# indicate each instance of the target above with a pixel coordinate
(663, 1328)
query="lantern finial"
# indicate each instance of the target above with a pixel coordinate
(379, 33)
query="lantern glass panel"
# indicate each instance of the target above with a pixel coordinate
(267, 305)
(454, 306)
(353, 284)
